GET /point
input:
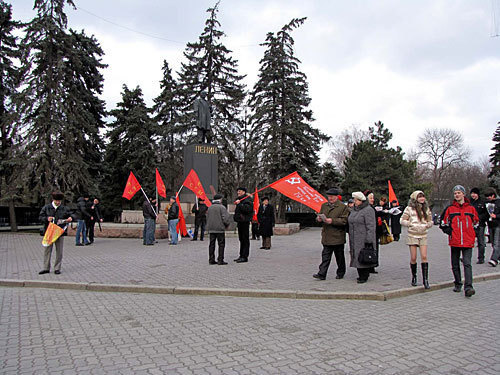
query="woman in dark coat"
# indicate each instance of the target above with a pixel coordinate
(265, 216)
(361, 233)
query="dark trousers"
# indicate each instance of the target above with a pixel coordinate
(481, 245)
(90, 229)
(363, 273)
(255, 231)
(244, 237)
(326, 258)
(466, 253)
(200, 224)
(221, 240)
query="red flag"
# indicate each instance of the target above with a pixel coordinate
(294, 187)
(193, 183)
(132, 187)
(255, 206)
(392, 195)
(160, 186)
(181, 225)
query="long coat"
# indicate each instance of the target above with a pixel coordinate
(361, 231)
(334, 233)
(266, 220)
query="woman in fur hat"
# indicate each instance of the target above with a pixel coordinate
(417, 217)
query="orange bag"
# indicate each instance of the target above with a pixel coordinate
(52, 233)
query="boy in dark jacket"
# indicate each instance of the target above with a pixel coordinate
(482, 213)
(217, 222)
(242, 216)
(493, 208)
(461, 217)
(58, 214)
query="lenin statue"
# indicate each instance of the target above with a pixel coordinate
(202, 114)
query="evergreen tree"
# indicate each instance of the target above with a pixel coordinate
(60, 106)
(281, 118)
(211, 68)
(372, 163)
(330, 177)
(9, 136)
(131, 147)
(166, 109)
(495, 159)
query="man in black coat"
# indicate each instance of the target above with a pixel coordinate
(83, 216)
(482, 213)
(60, 215)
(148, 233)
(266, 220)
(95, 216)
(242, 216)
(200, 219)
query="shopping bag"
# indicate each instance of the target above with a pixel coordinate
(386, 238)
(51, 235)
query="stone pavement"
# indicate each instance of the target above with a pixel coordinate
(288, 266)
(48, 331)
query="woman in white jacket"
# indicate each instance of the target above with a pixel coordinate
(417, 217)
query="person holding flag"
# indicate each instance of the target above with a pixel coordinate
(60, 215)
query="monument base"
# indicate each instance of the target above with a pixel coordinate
(204, 159)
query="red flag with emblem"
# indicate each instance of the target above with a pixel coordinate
(193, 183)
(131, 187)
(181, 225)
(160, 186)
(294, 187)
(255, 206)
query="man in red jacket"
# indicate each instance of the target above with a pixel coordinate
(461, 217)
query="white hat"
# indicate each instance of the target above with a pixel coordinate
(359, 195)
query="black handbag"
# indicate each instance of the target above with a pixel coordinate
(368, 256)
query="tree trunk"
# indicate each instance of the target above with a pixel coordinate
(12, 216)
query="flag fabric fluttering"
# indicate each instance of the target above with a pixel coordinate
(392, 195)
(160, 186)
(51, 235)
(294, 187)
(193, 183)
(131, 187)
(181, 225)
(256, 204)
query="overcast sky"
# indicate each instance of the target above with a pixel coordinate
(410, 64)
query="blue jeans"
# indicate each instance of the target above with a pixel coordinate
(172, 228)
(148, 233)
(81, 228)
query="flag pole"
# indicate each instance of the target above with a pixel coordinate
(145, 196)
(157, 208)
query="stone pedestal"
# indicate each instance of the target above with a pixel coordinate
(204, 159)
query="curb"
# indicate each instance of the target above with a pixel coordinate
(228, 292)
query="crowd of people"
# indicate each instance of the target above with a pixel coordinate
(366, 223)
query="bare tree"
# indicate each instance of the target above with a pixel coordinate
(440, 152)
(340, 146)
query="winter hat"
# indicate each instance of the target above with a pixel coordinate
(475, 191)
(242, 188)
(415, 194)
(489, 192)
(173, 197)
(333, 191)
(359, 195)
(459, 188)
(217, 197)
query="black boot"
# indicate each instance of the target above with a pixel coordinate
(413, 274)
(425, 275)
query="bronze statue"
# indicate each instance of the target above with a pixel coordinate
(202, 112)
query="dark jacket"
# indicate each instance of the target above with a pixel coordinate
(461, 218)
(147, 210)
(482, 213)
(334, 233)
(361, 231)
(494, 208)
(217, 217)
(173, 212)
(95, 212)
(200, 213)
(265, 216)
(395, 221)
(61, 213)
(244, 210)
(82, 211)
